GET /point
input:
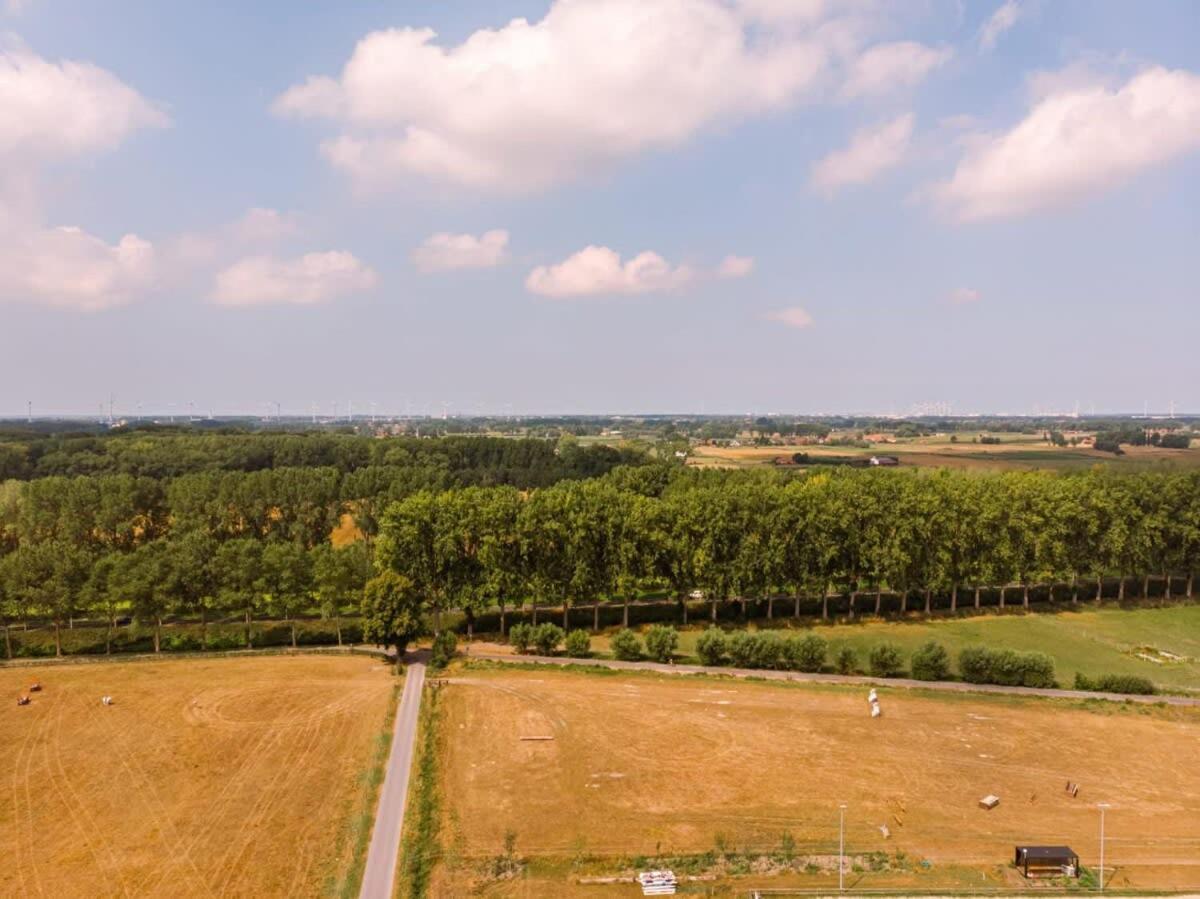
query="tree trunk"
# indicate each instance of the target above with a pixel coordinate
(1166, 585)
(249, 642)
(825, 606)
(1146, 586)
(596, 616)
(534, 607)
(928, 601)
(714, 611)
(292, 622)
(566, 615)
(742, 601)
(470, 616)
(954, 599)
(625, 613)
(904, 601)
(157, 633)
(796, 606)
(57, 639)
(1002, 589)
(1099, 588)
(7, 642)
(878, 602)
(683, 603)
(853, 598)
(204, 629)
(1121, 590)
(1025, 596)
(501, 619)
(1191, 577)
(977, 597)
(107, 638)
(337, 627)
(1074, 589)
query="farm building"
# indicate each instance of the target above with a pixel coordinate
(1046, 861)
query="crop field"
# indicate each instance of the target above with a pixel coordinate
(1010, 455)
(222, 777)
(1094, 641)
(731, 773)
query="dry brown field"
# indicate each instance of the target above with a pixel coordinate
(221, 777)
(647, 765)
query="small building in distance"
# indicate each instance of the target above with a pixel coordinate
(1046, 861)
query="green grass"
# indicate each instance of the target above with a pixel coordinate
(1094, 641)
(420, 847)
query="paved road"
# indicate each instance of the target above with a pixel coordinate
(948, 686)
(379, 877)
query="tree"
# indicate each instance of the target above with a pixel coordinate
(139, 578)
(626, 646)
(392, 609)
(661, 641)
(339, 576)
(931, 662)
(189, 581)
(238, 565)
(885, 660)
(286, 580)
(48, 578)
(711, 646)
(99, 596)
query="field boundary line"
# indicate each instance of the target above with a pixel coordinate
(199, 654)
(843, 679)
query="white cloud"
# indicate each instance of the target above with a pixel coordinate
(792, 316)
(307, 280)
(962, 296)
(69, 268)
(443, 251)
(597, 271)
(534, 103)
(59, 110)
(735, 267)
(1076, 142)
(871, 152)
(885, 68)
(1004, 18)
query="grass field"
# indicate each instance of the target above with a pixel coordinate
(223, 777)
(1012, 454)
(660, 766)
(1094, 641)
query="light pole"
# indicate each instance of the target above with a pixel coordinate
(1102, 806)
(841, 846)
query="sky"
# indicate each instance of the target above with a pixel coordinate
(599, 206)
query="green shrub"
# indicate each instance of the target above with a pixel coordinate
(1083, 682)
(846, 661)
(1124, 683)
(445, 645)
(546, 637)
(805, 653)
(661, 640)
(768, 651)
(626, 645)
(520, 637)
(711, 646)
(975, 665)
(742, 648)
(885, 660)
(579, 644)
(1007, 667)
(931, 662)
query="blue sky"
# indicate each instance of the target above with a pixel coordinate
(664, 205)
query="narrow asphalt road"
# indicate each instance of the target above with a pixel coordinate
(379, 876)
(946, 686)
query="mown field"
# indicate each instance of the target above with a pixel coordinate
(223, 777)
(1013, 454)
(1094, 641)
(739, 783)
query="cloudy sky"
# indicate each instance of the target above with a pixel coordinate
(599, 205)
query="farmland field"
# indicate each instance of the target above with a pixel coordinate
(1094, 641)
(656, 766)
(223, 777)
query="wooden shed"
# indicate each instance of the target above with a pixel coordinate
(1047, 861)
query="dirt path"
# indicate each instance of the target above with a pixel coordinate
(379, 876)
(945, 686)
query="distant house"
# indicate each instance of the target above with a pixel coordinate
(884, 460)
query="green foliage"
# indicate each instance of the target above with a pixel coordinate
(626, 646)
(661, 641)
(1133, 684)
(845, 661)
(807, 653)
(420, 848)
(546, 637)
(445, 645)
(520, 637)
(885, 660)
(931, 662)
(392, 611)
(711, 647)
(578, 644)
(1008, 667)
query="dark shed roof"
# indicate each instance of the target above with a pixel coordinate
(1050, 853)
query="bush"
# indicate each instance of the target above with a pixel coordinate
(1124, 683)
(885, 660)
(1007, 667)
(846, 661)
(520, 636)
(445, 645)
(711, 646)
(1083, 682)
(579, 644)
(805, 653)
(931, 662)
(546, 637)
(661, 640)
(626, 646)
(742, 649)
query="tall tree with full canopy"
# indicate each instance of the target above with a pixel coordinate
(392, 609)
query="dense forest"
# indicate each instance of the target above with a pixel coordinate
(206, 527)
